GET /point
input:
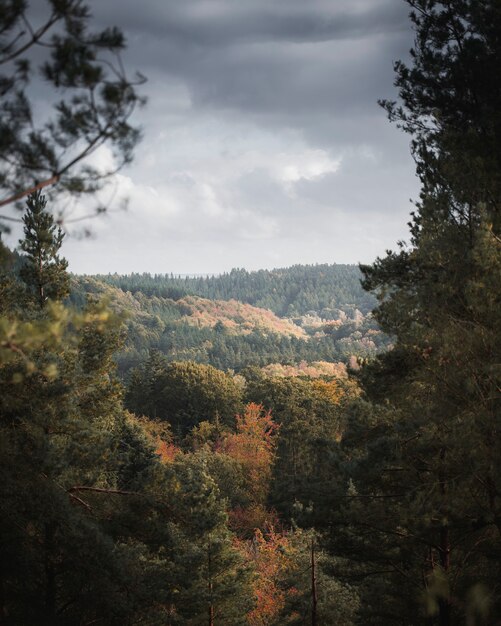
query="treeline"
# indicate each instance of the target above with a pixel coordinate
(288, 292)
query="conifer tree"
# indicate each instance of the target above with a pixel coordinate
(44, 271)
(420, 508)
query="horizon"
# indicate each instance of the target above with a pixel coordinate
(218, 274)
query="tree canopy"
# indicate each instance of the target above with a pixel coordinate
(421, 499)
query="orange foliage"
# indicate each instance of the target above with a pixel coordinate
(316, 369)
(253, 447)
(328, 390)
(271, 557)
(166, 451)
(160, 436)
(245, 521)
(236, 317)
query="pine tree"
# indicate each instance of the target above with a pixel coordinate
(92, 96)
(44, 271)
(421, 503)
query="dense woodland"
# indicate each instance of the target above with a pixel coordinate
(271, 491)
(332, 323)
(288, 292)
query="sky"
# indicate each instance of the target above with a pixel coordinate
(263, 143)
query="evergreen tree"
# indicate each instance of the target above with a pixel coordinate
(309, 417)
(213, 581)
(44, 272)
(419, 508)
(93, 527)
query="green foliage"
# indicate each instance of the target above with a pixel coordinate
(12, 295)
(214, 578)
(93, 526)
(59, 458)
(103, 519)
(416, 511)
(287, 292)
(230, 335)
(183, 394)
(43, 272)
(309, 415)
(336, 603)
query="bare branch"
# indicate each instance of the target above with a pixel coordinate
(81, 502)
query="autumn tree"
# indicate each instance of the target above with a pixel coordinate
(270, 552)
(253, 448)
(293, 584)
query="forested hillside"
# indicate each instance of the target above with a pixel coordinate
(288, 292)
(171, 492)
(231, 334)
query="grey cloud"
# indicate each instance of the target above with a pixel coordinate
(246, 58)
(207, 23)
(361, 186)
(237, 87)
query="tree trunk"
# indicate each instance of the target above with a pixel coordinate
(314, 599)
(445, 549)
(50, 574)
(41, 294)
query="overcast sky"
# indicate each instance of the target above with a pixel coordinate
(263, 142)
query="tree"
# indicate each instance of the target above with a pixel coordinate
(184, 394)
(270, 553)
(44, 272)
(94, 526)
(212, 585)
(293, 584)
(449, 103)
(252, 447)
(63, 560)
(94, 100)
(12, 295)
(309, 417)
(421, 491)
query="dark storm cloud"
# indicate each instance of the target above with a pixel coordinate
(280, 58)
(208, 23)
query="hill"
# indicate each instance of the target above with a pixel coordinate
(232, 334)
(287, 292)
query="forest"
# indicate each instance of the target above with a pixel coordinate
(236, 320)
(316, 445)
